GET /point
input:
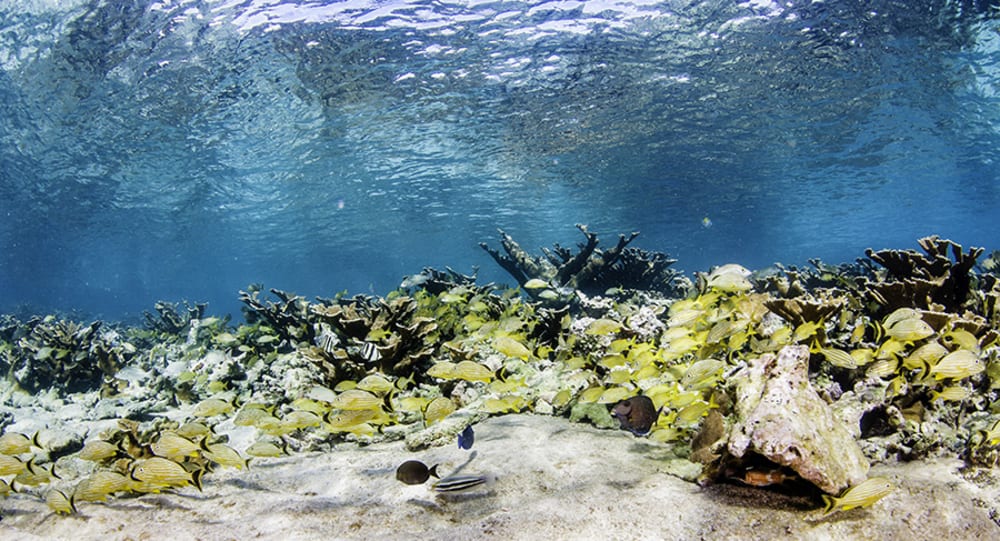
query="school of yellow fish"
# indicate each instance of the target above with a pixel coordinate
(495, 355)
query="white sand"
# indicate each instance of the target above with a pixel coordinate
(553, 480)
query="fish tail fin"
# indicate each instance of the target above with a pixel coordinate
(35, 441)
(925, 370)
(72, 502)
(247, 462)
(434, 471)
(387, 403)
(829, 502)
(196, 478)
(879, 330)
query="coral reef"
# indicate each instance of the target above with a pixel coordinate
(795, 377)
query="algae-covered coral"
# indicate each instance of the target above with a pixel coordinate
(756, 377)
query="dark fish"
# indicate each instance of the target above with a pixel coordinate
(466, 438)
(456, 483)
(636, 414)
(415, 472)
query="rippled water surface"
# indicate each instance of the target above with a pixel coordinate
(183, 150)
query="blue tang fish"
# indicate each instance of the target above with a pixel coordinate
(466, 438)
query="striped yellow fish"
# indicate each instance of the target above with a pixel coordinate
(862, 495)
(958, 364)
(356, 399)
(511, 347)
(267, 449)
(438, 409)
(99, 450)
(161, 472)
(10, 465)
(210, 407)
(59, 502)
(15, 443)
(223, 455)
(173, 446)
(99, 486)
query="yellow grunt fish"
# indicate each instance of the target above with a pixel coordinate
(838, 357)
(356, 399)
(210, 407)
(438, 409)
(34, 475)
(174, 446)
(164, 473)
(266, 449)
(442, 370)
(511, 347)
(98, 451)
(603, 326)
(954, 393)
(909, 330)
(99, 486)
(15, 443)
(223, 455)
(862, 495)
(375, 383)
(958, 364)
(193, 430)
(10, 465)
(59, 502)
(297, 419)
(472, 371)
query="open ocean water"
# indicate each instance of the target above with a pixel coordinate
(185, 149)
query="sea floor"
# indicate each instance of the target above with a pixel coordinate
(549, 479)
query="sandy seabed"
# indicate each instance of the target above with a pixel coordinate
(550, 479)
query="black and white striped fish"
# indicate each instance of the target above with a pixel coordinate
(326, 339)
(369, 352)
(456, 483)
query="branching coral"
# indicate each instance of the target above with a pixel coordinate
(920, 280)
(66, 355)
(171, 319)
(590, 270)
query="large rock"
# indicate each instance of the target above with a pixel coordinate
(781, 417)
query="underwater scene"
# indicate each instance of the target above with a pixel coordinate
(588, 269)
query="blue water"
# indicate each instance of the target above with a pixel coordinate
(183, 150)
